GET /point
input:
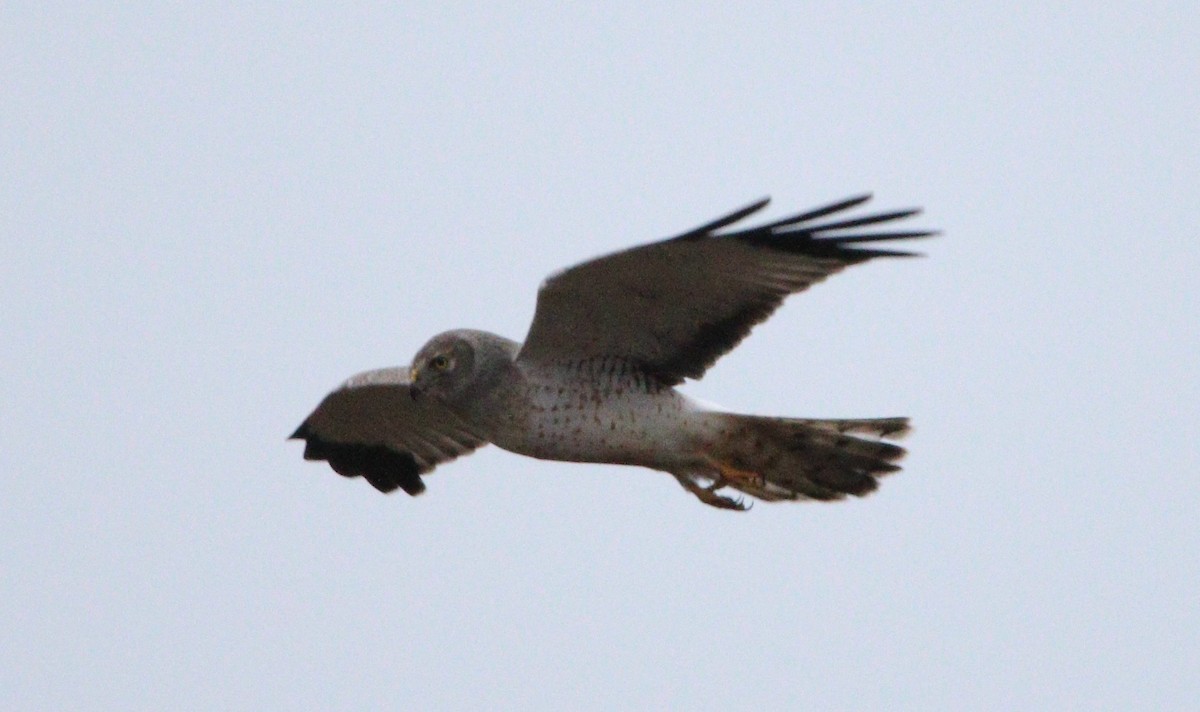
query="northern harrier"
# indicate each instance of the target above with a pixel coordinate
(595, 379)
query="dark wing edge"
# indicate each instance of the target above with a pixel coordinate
(386, 469)
(371, 427)
(801, 235)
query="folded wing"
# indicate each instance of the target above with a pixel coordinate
(371, 427)
(674, 307)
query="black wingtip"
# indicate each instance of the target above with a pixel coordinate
(798, 234)
(853, 256)
(858, 222)
(881, 236)
(725, 221)
(845, 204)
(385, 469)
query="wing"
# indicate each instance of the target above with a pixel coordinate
(674, 307)
(371, 427)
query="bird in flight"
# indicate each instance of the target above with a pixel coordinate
(594, 380)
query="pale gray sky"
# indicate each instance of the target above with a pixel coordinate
(210, 217)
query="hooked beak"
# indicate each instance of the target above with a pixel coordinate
(413, 391)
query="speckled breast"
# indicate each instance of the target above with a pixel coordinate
(598, 410)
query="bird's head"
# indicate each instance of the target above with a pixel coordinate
(450, 364)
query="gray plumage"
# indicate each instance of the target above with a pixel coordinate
(594, 380)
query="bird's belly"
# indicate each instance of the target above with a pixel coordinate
(591, 424)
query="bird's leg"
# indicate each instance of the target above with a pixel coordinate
(709, 495)
(729, 473)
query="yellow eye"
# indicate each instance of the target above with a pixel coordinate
(439, 362)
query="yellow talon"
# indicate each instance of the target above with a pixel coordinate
(733, 474)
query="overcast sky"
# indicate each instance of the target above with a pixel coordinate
(211, 217)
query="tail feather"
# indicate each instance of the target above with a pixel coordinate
(794, 458)
(891, 428)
